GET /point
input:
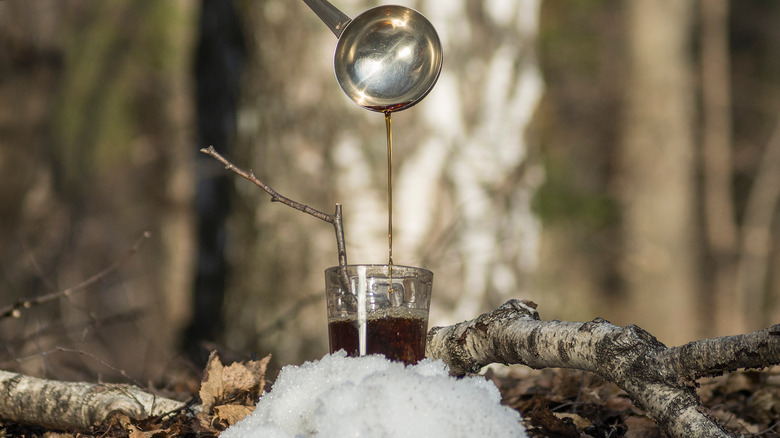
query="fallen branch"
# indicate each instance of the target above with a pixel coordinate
(74, 405)
(658, 379)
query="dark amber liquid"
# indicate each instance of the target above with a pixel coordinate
(398, 338)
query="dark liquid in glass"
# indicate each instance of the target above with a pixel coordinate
(398, 338)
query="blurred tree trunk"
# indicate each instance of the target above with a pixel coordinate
(99, 155)
(463, 179)
(754, 36)
(657, 173)
(752, 299)
(719, 211)
(219, 61)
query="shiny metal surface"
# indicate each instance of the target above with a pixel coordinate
(387, 58)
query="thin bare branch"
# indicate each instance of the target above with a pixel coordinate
(57, 328)
(275, 196)
(334, 219)
(15, 310)
(338, 225)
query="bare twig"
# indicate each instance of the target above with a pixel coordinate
(15, 310)
(102, 362)
(334, 219)
(53, 328)
(275, 196)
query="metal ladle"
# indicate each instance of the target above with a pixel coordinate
(387, 59)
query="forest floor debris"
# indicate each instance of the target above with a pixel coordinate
(553, 403)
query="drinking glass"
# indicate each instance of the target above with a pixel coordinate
(379, 309)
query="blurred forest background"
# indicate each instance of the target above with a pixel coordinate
(606, 158)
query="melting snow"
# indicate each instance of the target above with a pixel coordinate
(370, 396)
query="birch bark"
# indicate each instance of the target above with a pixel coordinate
(658, 379)
(73, 405)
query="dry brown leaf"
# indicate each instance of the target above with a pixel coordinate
(211, 387)
(578, 421)
(731, 421)
(236, 377)
(246, 377)
(238, 383)
(133, 432)
(641, 427)
(258, 367)
(544, 418)
(737, 382)
(228, 415)
(620, 403)
(204, 421)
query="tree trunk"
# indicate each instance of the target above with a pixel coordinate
(95, 99)
(719, 212)
(656, 184)
(218, 63)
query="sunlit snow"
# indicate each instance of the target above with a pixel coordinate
(373, 397)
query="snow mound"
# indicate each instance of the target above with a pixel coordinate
(370, 396)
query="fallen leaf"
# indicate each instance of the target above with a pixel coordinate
(620, 403)
(205, 423)
(641, 427)
(243, 382)
(578, 421)
(211, 387)
(228, 415)
(543, 418)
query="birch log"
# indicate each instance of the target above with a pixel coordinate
(658, 379)
(74, 405)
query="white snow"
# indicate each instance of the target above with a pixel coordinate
(370, 396)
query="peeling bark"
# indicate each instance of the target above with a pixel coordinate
(658, 379)
(74, 405)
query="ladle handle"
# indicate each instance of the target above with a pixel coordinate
(332, 17)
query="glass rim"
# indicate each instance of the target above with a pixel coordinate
(379, 265)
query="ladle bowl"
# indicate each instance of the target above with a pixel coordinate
(387, 59)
